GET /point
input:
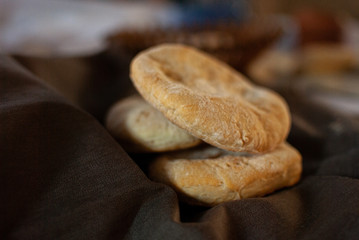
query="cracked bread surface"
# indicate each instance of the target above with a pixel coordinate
(210, 100)
(209, 176)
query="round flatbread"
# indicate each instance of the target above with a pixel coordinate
(209, 175)
(209, 99)
(139, 127)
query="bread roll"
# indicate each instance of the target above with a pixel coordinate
(210, 100)
(209, 176)
(141, 128)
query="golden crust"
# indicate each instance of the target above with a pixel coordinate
(226, 176)
(140, 127)
(210, 100)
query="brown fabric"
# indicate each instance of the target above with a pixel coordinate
(62, 176)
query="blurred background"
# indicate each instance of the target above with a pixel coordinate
(83, 48)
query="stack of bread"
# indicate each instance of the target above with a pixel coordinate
(218, 137)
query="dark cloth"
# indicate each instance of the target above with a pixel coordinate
(62, 176)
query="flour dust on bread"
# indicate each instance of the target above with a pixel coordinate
(210, 176)
(139, 127)
(210, 100)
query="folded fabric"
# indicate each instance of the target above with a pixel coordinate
(62, 176)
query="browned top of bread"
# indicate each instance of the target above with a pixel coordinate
(209, 99)
(209, 176)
